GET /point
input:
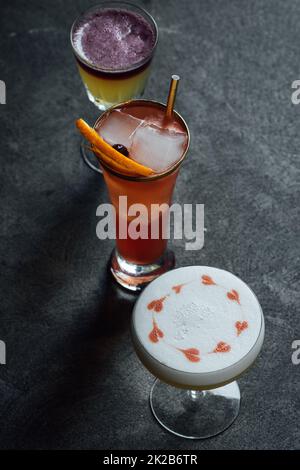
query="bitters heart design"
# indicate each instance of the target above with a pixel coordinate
(155, 334)
(233, 295)
(207, 280)
(156, 305)
(192, 354)
(241, 326)
(222, 347)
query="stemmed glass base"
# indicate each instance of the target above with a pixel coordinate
(195, 414)
(136, 276)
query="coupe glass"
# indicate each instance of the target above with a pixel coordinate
(190, 403)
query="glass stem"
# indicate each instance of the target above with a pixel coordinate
(194, 394)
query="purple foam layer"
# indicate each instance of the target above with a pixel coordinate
(114, 38)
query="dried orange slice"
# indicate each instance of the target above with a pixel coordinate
(111, 163)
(130, 166)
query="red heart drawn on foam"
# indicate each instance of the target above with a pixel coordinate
(207, 280)
(233, 295)
(241, 326)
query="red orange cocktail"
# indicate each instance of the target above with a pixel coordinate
(137, 134)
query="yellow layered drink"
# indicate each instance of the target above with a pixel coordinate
(113, 45)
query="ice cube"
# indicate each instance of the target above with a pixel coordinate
(118, 128)
(160, 121)
(157, 147)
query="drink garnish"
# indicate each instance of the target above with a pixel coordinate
(111, 163)
(122, 149)
(103, 148)
(233, 295)
(157, 305)
(192, 354)
(156, 333)
(207, 280)
(241, 326)
(222, 347)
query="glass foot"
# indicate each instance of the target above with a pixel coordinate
(136, 276)
(195, 414)
(89, 158)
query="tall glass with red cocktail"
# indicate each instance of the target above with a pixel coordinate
(140, 129)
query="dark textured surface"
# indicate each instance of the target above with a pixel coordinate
(72, 379)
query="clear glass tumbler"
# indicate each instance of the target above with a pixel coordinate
(136, 262)
(107, 86)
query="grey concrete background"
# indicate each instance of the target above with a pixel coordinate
(72, 379)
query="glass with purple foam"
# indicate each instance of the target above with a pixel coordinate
(113, 44)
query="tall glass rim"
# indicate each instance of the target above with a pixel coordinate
(150, 177)
(115, 4)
